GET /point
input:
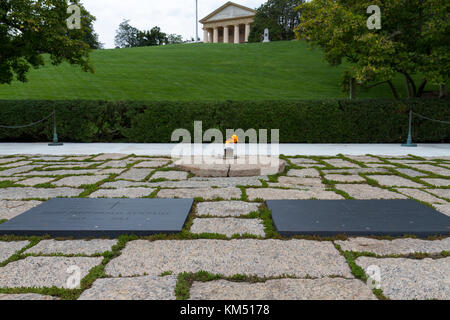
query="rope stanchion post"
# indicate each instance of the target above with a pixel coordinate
(409, 143)
(55, 142)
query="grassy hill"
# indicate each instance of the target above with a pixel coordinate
(277, 70)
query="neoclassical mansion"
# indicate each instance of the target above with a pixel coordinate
(230, 23)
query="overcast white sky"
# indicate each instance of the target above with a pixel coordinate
(172, 16)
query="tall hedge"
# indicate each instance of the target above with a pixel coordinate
(328, 121)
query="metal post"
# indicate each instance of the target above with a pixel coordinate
(55, 142)
(196, 21)
(409, 142)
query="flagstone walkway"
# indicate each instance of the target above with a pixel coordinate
(229, 248)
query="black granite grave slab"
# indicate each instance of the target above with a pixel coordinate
(83, 218)
(357, 218)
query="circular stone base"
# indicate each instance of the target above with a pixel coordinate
(249, 166)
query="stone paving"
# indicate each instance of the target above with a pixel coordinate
(303, 269)
(266, 258)
(139, 288)
(283, 289)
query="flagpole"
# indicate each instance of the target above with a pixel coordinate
(196, 20)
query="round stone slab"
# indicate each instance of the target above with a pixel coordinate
(249, 166)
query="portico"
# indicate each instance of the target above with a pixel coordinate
(231, 23)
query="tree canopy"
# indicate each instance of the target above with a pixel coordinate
(30, 28)
(279, 17)
(413, 39)
(128, 36)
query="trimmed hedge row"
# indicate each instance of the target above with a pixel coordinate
(328, 121)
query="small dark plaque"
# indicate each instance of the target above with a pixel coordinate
(83, 218)
(357, 218)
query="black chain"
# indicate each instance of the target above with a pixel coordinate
(28, 125)
(434, 120)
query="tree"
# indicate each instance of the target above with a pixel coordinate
(30, 28)
(153, 37)
(413, 39)
(174, 39)
(127, 36)
(279, 16)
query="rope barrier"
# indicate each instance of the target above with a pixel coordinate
(55, 134)
(28, 125)
(434, 120)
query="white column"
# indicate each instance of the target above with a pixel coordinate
(236, 34)
(216, 35)
(226, 34)
(205, 35)
(247, 31)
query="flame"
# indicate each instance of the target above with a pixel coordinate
(234, 139)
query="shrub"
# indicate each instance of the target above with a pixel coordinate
(327, 121)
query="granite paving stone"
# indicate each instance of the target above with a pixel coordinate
(366, 192)
(283, 289)
(190, 183)
(35, 181)
(117, 163)
(25, 297)
(226, 208)
(304, 173)
(15, 164)
(420, 195)
(395, 247)
(7, 249)
(345, 178)
(47, 158)
(444, 208)
(170, 175)
(228, 226)
(68, 247)
(302, 160)
(313, 182)
(409, 279)
(364, 159)
(355, 171)
(138, 288)
(78, 181)
(264, 258)
(443, 193)
(395, 181)
(8, 160)
(111, 171)
(14, 171)
(438, 182)
(44, 271)
(205, 193)
(135, 174)
(11, 209)
(131, 193)
(60, 172)
(283, 194)
(340, 163)
(38, 193)
(434, 169)
(78, 158)
(410, 172)
(152, 164)
(110, 156)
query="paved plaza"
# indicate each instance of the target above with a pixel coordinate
(229, 248)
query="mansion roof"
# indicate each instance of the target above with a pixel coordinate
(229, 11)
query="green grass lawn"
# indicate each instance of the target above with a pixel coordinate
(277, 70)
